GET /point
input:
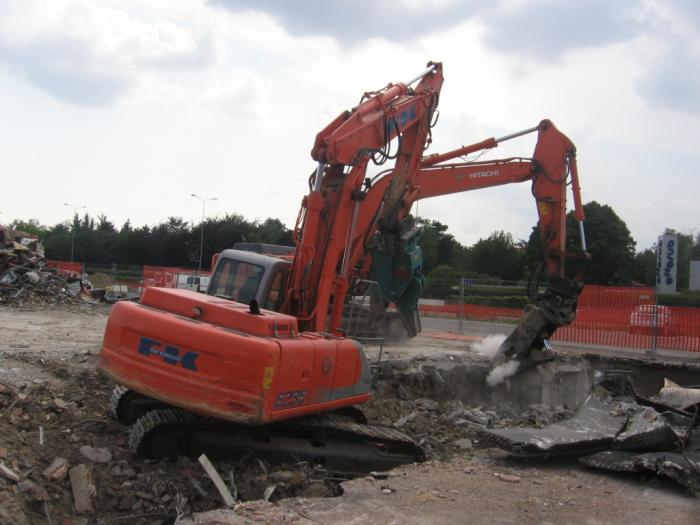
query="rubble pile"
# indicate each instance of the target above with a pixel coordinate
(26, 280)
(614, 428)
(444, 427)
(63, 456)
(617, 429)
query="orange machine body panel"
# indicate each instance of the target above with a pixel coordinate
(213, 357)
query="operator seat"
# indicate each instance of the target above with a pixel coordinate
(248, 290)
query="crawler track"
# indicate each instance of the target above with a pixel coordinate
(342, 442)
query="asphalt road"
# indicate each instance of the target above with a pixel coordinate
(475, 328)
(485, 328)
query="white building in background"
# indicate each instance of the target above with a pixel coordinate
(666, 263)
(694, 282)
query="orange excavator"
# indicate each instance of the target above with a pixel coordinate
(266, 359)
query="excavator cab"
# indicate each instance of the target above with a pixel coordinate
(243, 276)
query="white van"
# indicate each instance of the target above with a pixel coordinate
(188, 281)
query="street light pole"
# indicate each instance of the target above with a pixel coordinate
(201, 229)
(72, 240)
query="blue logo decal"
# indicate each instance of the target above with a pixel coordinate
(170, 354)
(403, 119)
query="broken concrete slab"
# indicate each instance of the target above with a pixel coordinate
(32, 277)
(592, 428)
(628, 436)
(681, 467)
(98, 455)
(645, 429)
(84, 490)
(463, 444)
(7, 473)
(473, 415)
(677, 396)
(605, 421)
(57, 470)
(31, 491)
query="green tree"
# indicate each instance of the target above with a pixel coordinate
(438, 246)
(57, 240)
(444, 273)
(609, 243)
(32, 226)
(104, 224)
(273, 231)
(440, 281)
(645, 267)
(497, 255)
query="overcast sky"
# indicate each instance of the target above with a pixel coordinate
(130, 106)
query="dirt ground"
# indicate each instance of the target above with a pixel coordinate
(53, 404)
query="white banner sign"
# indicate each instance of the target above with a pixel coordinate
(666, 263)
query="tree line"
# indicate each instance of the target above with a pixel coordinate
(175, 242)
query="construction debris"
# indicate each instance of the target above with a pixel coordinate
(84, 490)
(677, 396)
(112, 481)
(8, 473)
(60, 391)
(682, 467)
(57, 470)
(508, 478)
(96, 455)
(25, 278)
(218, 482)
(32, 492)
(616, 429)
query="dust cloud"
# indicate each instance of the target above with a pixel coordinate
(489, 345)
(502, 372)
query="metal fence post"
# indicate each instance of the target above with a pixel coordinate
(461, 303)
(654, 324)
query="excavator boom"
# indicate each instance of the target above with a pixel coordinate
(333, 213)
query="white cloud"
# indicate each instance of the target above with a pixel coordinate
(187, 94)
(244, 95)
(82, 52)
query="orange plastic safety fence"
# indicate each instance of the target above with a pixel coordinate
(629, 318)
(623, 317)
(74, 268)
(160, 276)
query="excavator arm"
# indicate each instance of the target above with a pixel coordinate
(551, 168)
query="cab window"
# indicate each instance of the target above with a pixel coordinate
(237, 280)
(276, 293)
